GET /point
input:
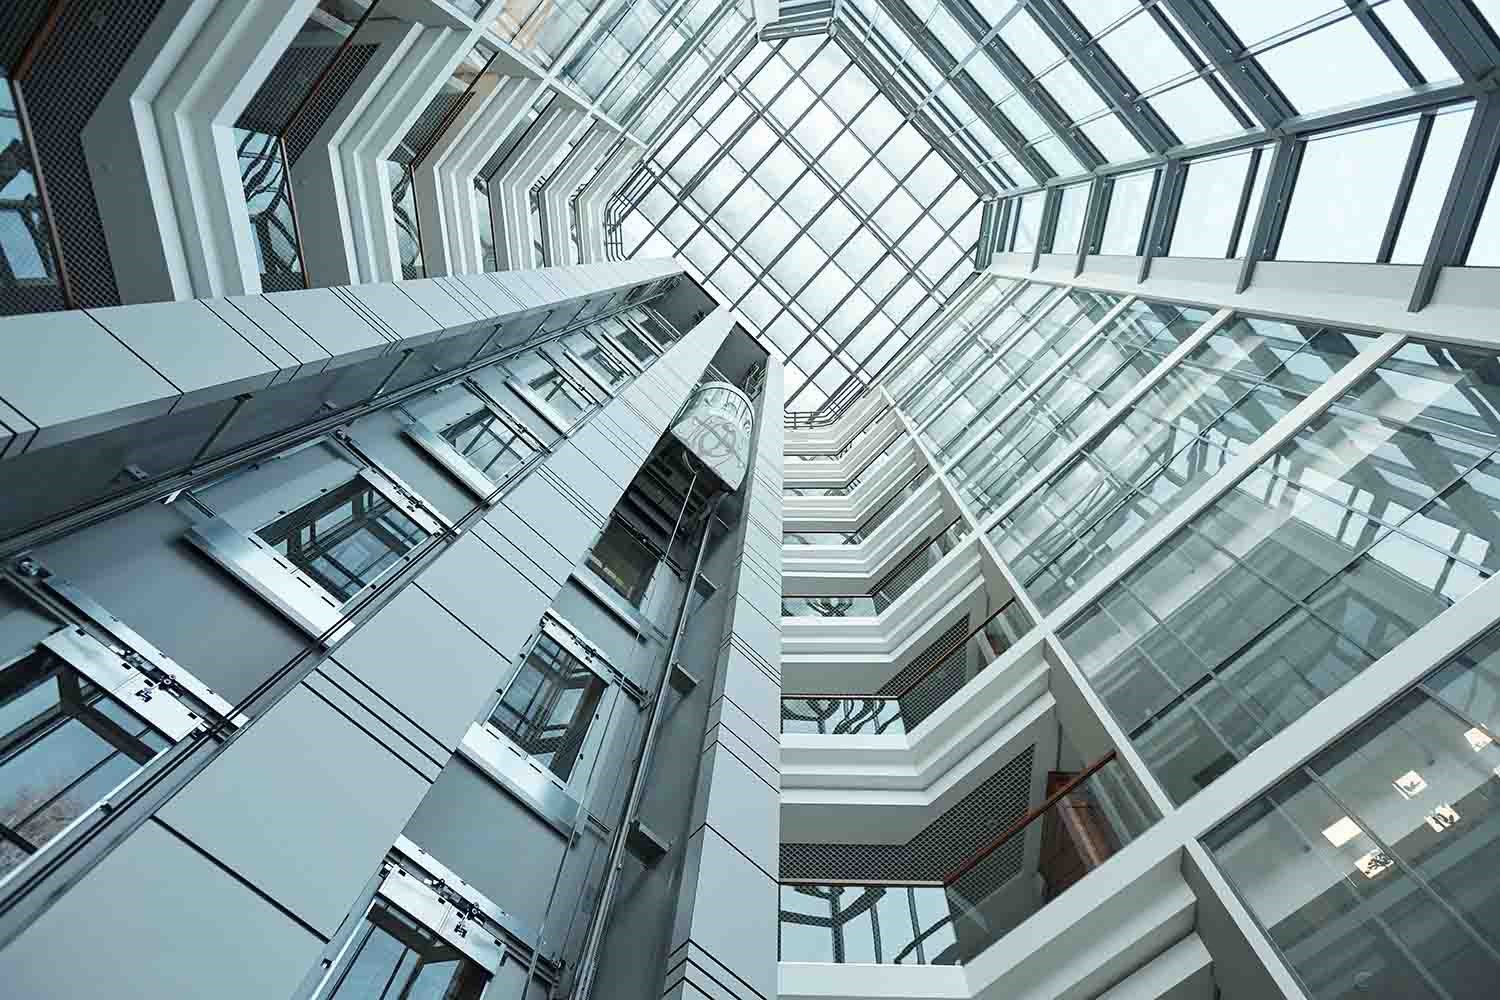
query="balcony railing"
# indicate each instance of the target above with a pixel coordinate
(1086, 818)
(914, 698)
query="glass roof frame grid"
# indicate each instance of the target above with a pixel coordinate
(958, 77)
(932, 288)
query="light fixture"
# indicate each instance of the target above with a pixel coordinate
(1410, 785)
(1441, 818)
(1374, 863)
(1478, 738)
(1342, 832)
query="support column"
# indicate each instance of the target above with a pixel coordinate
(556, 211)
(510, 201)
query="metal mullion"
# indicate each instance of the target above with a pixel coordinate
(1011, 67)
(804, 228)
(1107, 79)
(1230, 471)
(1416, 877)
(941, 323)
(760, 115)
(1096, 330)
(1006, 298)
(663, 24)
(1165, 203)
(1462, 36)
(931, 46)
(725, 63)
(682, 55)
(881, 78)
(1275, 200)
(994, 354)
(956, 265)
(864, 222)
(1251, 84)
(1094, 214)
(1247, 189)
(1404, 188)
(1047, 229)
(1464, 201)
(878, 306)
(1386, 42)
(702, 130)
(1082, 445)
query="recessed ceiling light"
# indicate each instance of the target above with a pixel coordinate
(1478, 738)
(1442, 818)
(1410, 784)
(1342, 832)
(1374, 863)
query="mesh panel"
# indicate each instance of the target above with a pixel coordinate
(351, 62)
(71, 75)
(19, 20)
(425, 128)
(940, 648)
(941, 847)
(290, 80)
(903, 577)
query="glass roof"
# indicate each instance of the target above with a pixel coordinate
(829, 186)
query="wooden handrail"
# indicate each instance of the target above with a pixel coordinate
(1027, 819)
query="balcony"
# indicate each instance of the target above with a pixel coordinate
(967, 901)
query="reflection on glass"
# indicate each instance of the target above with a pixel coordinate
(392, 957)
(1369, 866)
(1374, 519)
(63, 747)
(623, 561)
(267, 189)
(346, 538)
(404, 206)
(492, 444)
(548, 706)
(28, 270)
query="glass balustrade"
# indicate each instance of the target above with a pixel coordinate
(1086, 818)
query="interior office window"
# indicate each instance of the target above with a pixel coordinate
(64, 744)
(491, 444)
(1373, 863)
(624, 562)
(396, 958)
(345, 538)
(635, 344)
(548, 706)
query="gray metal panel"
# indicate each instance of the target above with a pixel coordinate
(379, 435)
(740, 807)
(138, 566)
(487, 594)
(406, 320)
(524, 549)
(351, 697)
(604, 452)
(190, 345)
(423, 661)
(156, 919)
(303, 805)
(329, 320)
(438, 302)
(66, 374)
(257, 310)
(566, 528)
(723, 908)
(492, 841)
(580, 471)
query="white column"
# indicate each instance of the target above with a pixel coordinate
(510, 187)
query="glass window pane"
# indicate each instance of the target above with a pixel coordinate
(1344, 192)
(1439, 159)
(1210, 201)
(1129, 200)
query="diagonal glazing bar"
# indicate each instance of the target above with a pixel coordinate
(1251, 84)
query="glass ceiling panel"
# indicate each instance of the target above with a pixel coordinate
(830, 184)
(820, 211)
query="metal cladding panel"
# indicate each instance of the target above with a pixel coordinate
(716, 426)
(740, 806)
(190, 345)
(139, 567)
(488, 595)
(423, 661)
(329, 320)
(754, 691)
(724, 912)
(210, 934)
(581, 473)
(519, 544)
(557, 519)
(496, 844)
(303, 806)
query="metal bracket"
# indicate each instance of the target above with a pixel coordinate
(148, 697)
